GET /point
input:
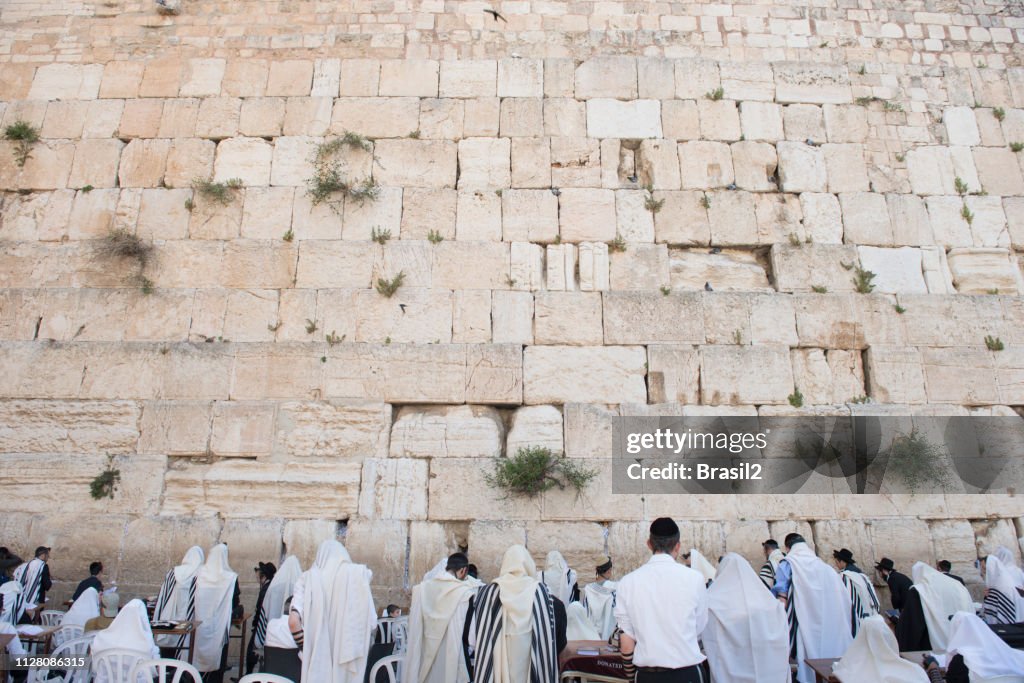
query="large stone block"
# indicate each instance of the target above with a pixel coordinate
(484, 163)
(815, 83)
(335, 264)
(531, 162)
(359, 77)
(62, 81)
(979, 271)
(431, 541)
(844, 164)
(682, 220)
(332, 430)
(705, 165)
(761, 121)
(519, 77)
(612, 77)
(218, 117)
(539, 426)
(719, 120)
(561, 374)
(45, 426)
(733, 218)
(755, 165)
(512, 317)
(394, 488)
(828, 378)
(948, 225)
(415, 163)
(988, 225)
(866, 218)
(187, 160)
(961, 126)
(376, 117)
(247, 159)
(568, 318)
(96, 163)
(897, 271)
(895, 375)
(904, 541)
(471, 316)
(640, 267)
(964, 376)
(734, 375)
(635, 220)
(290, 77)
(651, 318)
(428, 210)
(457, 431)
(175, 428)
(469, 78)
(680, 120)
(581, 544)
(592, 504)
(608, 118)
(799, 268)
(801, 168)
(909, 219)
(408, 78)
(803, 122)
(998, 170)
(931, 170)
(673, 374)
(588, 430)
(587, 215)
(381, 545)
(470, 265)
(488, 542)
(145, 560)
(302, 538)
(696, 77)
(575, 162)
(529, 216)
(451, 478)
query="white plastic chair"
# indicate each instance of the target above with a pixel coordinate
(165, 671)
(114, 665)
(400, 633)
(264, 678)
(51, 617)
(390, 664)
(66, 633)
(77, 647)
(386, 629)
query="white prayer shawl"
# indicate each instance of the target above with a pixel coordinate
(279, 590)
(701, 564)
(985, 654)
(746, 637)
(941, 598)
(599, 601)
(215, 590)
(86, 607)
(862, 596)
(434, 572)
(130, 630)
(577, 624)
(558, 577)
(14, 604)
(30, 576)
(822, 606)
(14, 647)
(279, 634)
(338, 618)
(875, 656)
(176, 601)
(1003, 604)
(770, 568)
(1010, 564)
(437, 618)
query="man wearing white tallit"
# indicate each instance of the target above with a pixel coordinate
(34, 577)
(931, 601)
(280, 589)
(437, 620)
(129, 631)
(863, 599)
(696, 561)
(1005, 556)
(772, 557)
(746, 635)
(599, 600)
(86, 607)
(874, 656)
(177, 598)
(986, 655)
(817, 606)
(559, 578)
(332, 617)
(1003, 603)
(217, 596)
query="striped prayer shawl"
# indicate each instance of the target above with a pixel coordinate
(794, 627)
(162, 603)
(859, 610)
(767, 574)
(12, 612)
(999, 608)
(543, 657)
(31, 581)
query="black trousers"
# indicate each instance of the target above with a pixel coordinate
(690, 674)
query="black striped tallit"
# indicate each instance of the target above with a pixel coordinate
(30, 586)
(858, 610)
(999, 608)
(15, 610)
(794, 626)
(767, 574)
(543, 657)
(166, 590)
(259, 631)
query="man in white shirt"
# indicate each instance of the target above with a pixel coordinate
(661, 609)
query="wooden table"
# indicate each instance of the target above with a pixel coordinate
(242, 622)
(43, 638)
(823, 667)
(604, 664)
(185, 628)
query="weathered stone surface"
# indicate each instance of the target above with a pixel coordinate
(468, 78)
(866, 219)
(579, 542)
(460, 432)
(302, 538)
(705, 165)
(613, 77)
(587, 215)
(745, 374)
(451, 478)
(719, 120)
(755, 164)
(826, 378)
(644, 318)
(799, 268)
(561, 374)
(733, 218)
(897, 271)
(394, 488)
(380, 544)
(68, 427)
(761, 121)
(325, 429)
(539, 426)
(931, 170)
(640, 267)
(844, 164)
(979, 271)
(415, 163)
(247, 159)
(568, 318)
(673, 374)
(488, 542)
(816, 83)
(682, 220)
(801, 168)
(895, 375)
(998, 171)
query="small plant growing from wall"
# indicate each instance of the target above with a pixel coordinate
(536, 469)
(960, 185)
(917, 462)
(819, 289)
(862, 278)
(126, 246)
(796, 399)
(993, 343)
(24, 135)
(435, 237)
(999, 113)
(327, 183)
(220, 193)
(617, 244)
(380, 236)
(105, 483)
(715, 95)
(387, 288)
(650, 203)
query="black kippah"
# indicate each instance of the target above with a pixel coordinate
(602, 568)
(457, 561)
(664, 526)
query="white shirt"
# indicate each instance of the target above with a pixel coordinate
(663, 606)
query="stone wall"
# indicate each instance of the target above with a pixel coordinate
(261, 392)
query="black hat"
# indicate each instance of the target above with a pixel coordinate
(886, 564)
(664, 527)
(602, 568)
(770, 543)
(267, 569)
(456, 561)
(41, 549)
(843, 555)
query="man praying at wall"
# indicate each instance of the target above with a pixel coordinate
(34, 577)
(177, 599)
(437, 621)
(863, 600)
(599, 600)
(217, 601)
(95, 570)
(929, 604)
(264, 574)
(899, 584)
(772, 557)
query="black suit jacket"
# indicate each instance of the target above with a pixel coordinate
(954, 576)
(899, 586)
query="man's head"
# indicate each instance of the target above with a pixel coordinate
(604, 570)
(9, 564)
(458, 565)
(792, 540)
(944, 566)
(95, 569)
(110, 602)
(885, 567)
(843, 558)
(394, 611)
(664, 537)
(265, 571)
(43, 553)
(769, 546)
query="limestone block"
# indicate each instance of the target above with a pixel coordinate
(148, 562)
(895, 375)
(635, 221)
(531, 162)
(936, 270)
(705, 165)
(512, 317)
(931, 170)
(415, 163)
(307, 115)
(657, 165)
(334, 430)
(175, 427)
(45, 426)
(814, 83)
(696, 77)
(441, 119)
(488, 542)
(430, 541)
(240, 488)
(904, 541)
(520, 117)
(828, 378)
(897, 271)
(520, 77)
(202, 78)
(778, 216)
(527, 271)
(559, 374)
(719, 120)
(247, 159)
(593, 267)
(394, 488)
(302, 538)
(1013, 208)
(611, 77)
(846, 123)
(102, 118)
(755, 165)
(426, 210)
(469, 78)
(527, 215)
(212, 220)
(408, 78)
(535, 426)
(479, 216)
(998, 170)
(804, 122)
(163, 215)
(680, 120)
(673, 374)
(383, 213)
(267, 212)
(427, 316)
(798, 268)
(494, 374)
(761, 121)
(734, 375)
(644, 318)
(471, 316)
(290, 77)
(988, 225)
(320, 222)
(640, 267)
(682, 219)
(376, 117)
(866, 218)
(482, 117)
(610, 118)
(245, 78)
(565, 118)
(187, 160)
(261, 116)
(656, 78)
(801, 168)
(381, 545)
(62, 81)
(748, 81)
(727, 270)
(568, 318)
(758, 318)
(948, 225)
(217, 118)
(96, 163)
(64, 119)
(360, 77)
(92, 214)
(978, 271)
(581, 544)
(961, 126)
(575, 162)
(470, 265)
(732, 218)
(484, 163)
(451, 478)
(909, 219)
(242, 429)
(990, 534)
(121, 79)
(954, 541)
(326, 77)
(335, 264)
(587, 215)
(946, 373)
(844, 164)
(142, 163)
